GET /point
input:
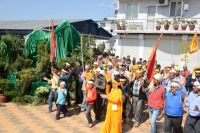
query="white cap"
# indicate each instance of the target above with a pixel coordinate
(116, 73)
(110, 64)
(68, 64)
(98, 70)
(158, 76)
(62, 83)
(196, 83)
(90, 82)
(122, 80)
(175, 84)
(95, 63)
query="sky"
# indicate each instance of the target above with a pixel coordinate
(55, 9)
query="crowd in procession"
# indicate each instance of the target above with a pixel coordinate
(119, 89)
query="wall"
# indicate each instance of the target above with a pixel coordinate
(170, 50)
(162, 11)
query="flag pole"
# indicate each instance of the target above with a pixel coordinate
(82, 51)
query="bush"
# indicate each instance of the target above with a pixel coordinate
(5, 87)
(22, 100)
(41, 96)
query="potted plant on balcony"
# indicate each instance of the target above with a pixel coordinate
(184, 24)
(166, 24)
(191, 24)
(158, 24)
(118, 25)
(123, 25)
(175, 23)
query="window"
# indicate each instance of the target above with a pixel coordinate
(175, 9)
(151, 10)
(132, 11)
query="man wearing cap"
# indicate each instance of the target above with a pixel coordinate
(195, 76)
(155, 101)
(192, 123)
(124, 72)
(178, 77)
(62, 93)
(85, 77)
(91, 95)
(174, 101)
(138, 96)
(169, 78)
(95, 66)
(100, 87)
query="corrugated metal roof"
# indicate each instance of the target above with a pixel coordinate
(31, 24)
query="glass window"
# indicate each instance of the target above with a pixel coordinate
(151, 10)
(175, 9)
(132, 11)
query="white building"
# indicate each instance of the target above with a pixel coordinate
(141, 34)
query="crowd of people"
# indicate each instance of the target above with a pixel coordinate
(119, 90)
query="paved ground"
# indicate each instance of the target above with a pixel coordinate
(35, 119)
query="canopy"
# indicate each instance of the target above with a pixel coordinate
(67, 38)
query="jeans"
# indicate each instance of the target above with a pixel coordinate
(153, 114)
(61, 108)
(83, 105)
(192, 124)
(173, 124)
(137, 108)
(52, 98)
(88, 113)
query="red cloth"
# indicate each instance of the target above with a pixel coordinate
(91, 95)
(155, 98)
(151, 64)
(53, 43)
(152, 60)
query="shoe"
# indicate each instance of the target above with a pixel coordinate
(90, 125)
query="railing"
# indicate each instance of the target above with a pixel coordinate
(151, 25)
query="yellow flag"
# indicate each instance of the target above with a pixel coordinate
(194, 44)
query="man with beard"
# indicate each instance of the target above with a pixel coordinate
(138, 96)
(100, 88)
(169, 78)
(195, 76)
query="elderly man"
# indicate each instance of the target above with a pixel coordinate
(192, 123)
(155, 101)
(174, 100)
(169, 78)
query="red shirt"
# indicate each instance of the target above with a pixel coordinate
(91, 95)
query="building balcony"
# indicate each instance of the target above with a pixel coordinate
(151, 26)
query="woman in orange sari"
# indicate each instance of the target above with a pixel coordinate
(113, 121)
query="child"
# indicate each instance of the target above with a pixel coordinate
(91, 95)
(62, 93)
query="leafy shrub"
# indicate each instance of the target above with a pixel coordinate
(41, 96)
(5, 86)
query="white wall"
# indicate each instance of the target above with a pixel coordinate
(162, 11)
(169, 51)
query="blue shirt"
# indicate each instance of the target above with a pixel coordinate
(193, 104)
(174, 103)
(61, 96)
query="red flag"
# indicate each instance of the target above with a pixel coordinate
(53, 43)
(152, 60)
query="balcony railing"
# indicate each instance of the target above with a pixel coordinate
(150, 25)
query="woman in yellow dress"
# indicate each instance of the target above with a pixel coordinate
(113, 120)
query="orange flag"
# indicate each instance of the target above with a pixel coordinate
(152, 60)
(194, 44)
(53, 43)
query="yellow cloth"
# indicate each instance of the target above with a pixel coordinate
(144, 67)
(88, 75)
(108, 77)
(194, 44)
(134, 68)
(113, 121)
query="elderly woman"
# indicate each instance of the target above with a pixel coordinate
(113, 121)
